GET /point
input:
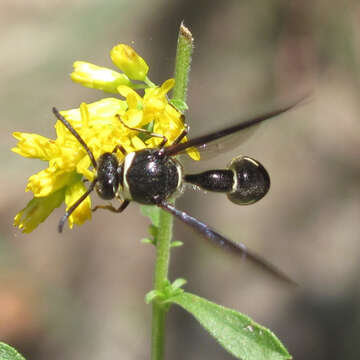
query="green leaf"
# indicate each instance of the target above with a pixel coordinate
(167, 292)
(179, 105)
(175, 244)
(178, 283)
(148, 241)
(151, 295)
(235, 332)
(9, 353)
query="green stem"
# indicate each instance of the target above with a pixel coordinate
(163, 242)
(148, 82)
(184, 51)
(164, 233)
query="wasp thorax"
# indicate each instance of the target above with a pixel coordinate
(150, 177)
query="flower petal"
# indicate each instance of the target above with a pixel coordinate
(101, 110)
(35, 146)
(125, 91)
(48, 181)
(83, 211)
(37, 210)
(193, 152)
(167, 86)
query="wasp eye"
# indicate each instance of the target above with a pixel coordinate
(106, 191)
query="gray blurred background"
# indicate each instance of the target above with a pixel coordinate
(81, 295)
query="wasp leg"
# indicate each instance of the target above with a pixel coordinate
(121, 148)
(71, 209)
(120, 209)
(182, 134)
(144, 131)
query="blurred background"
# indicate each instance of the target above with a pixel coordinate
(80, 295)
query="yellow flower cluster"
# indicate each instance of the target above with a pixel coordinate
(99, 126)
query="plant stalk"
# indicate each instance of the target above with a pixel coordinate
(164, 235)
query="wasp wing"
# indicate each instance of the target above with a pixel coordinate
(235, 247)
(205, 141)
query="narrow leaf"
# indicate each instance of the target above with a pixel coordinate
(147, 241)
(150, 296)
(9, 353)
(175, 244)
(235, 332)
(178, 283)
(179, 105)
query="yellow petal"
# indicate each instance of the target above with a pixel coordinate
(48, 181)
(125, 91)
(84, 114)
(193, 153)
(137, 143)
(167, 86)
(83, 211)
(37, 210)
(132, 100)
(133, 118)
(154, 105)
(98, 111)
(82, 167)
(35, 146)
(174, 114)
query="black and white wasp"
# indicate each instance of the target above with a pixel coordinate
(153, 176)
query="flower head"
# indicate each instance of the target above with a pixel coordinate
(99, 126)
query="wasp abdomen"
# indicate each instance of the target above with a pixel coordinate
(251, 181)
(245, 181)
(213, 180)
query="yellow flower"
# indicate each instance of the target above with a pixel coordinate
(155, 108)
(99, 126)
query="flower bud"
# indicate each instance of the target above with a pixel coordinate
(127, 60)
(98, 77)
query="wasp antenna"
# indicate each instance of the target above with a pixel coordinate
(75, 205)
(76, 134)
